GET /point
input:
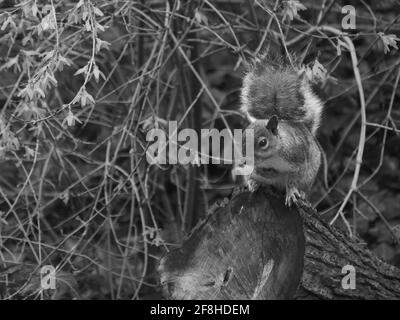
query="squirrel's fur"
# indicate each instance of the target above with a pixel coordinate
(275, 87)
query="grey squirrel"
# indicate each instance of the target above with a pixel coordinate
(285, 114)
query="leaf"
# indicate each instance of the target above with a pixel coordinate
(47, 55)
(97, 73)
(86, 98)
(318, 72)
(27, 91)
(40, 91)
(99, 26)
(10, 63)
(8, 21)
(65, 197)
(29, 152)
(148, 123)
(88, 26)
(26, 39)
(51, 78)
(48, 22)
(98, 12)
(82, 70)
(63, 61)
(71, 119)
(79, 4)
(34, 9)
(5, 24)
(101, 44)
(292, 8)
(389, 40)
(200, 17)
(396, 230)
(85, 14)
(73, 17)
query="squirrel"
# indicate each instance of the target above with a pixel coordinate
(284, 113)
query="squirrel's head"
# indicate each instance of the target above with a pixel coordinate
(266, 136)
(266, 142)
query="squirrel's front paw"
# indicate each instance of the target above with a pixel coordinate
(252, 185)
(293, 195)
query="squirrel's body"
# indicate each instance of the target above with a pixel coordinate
(285, 112)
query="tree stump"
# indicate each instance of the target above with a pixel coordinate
(247, 248)
(254, 247)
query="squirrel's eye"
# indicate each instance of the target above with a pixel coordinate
(263, 143)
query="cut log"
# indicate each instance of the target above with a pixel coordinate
(247, 248)
(254, 247)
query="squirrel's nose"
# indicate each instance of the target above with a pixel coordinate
(241, 162)
(242, 168)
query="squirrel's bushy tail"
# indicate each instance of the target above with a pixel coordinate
(274, 87)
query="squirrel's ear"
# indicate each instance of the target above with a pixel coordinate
(303, 76)
(273, 125)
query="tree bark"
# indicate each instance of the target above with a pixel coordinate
(254, 247)
(328, 250)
